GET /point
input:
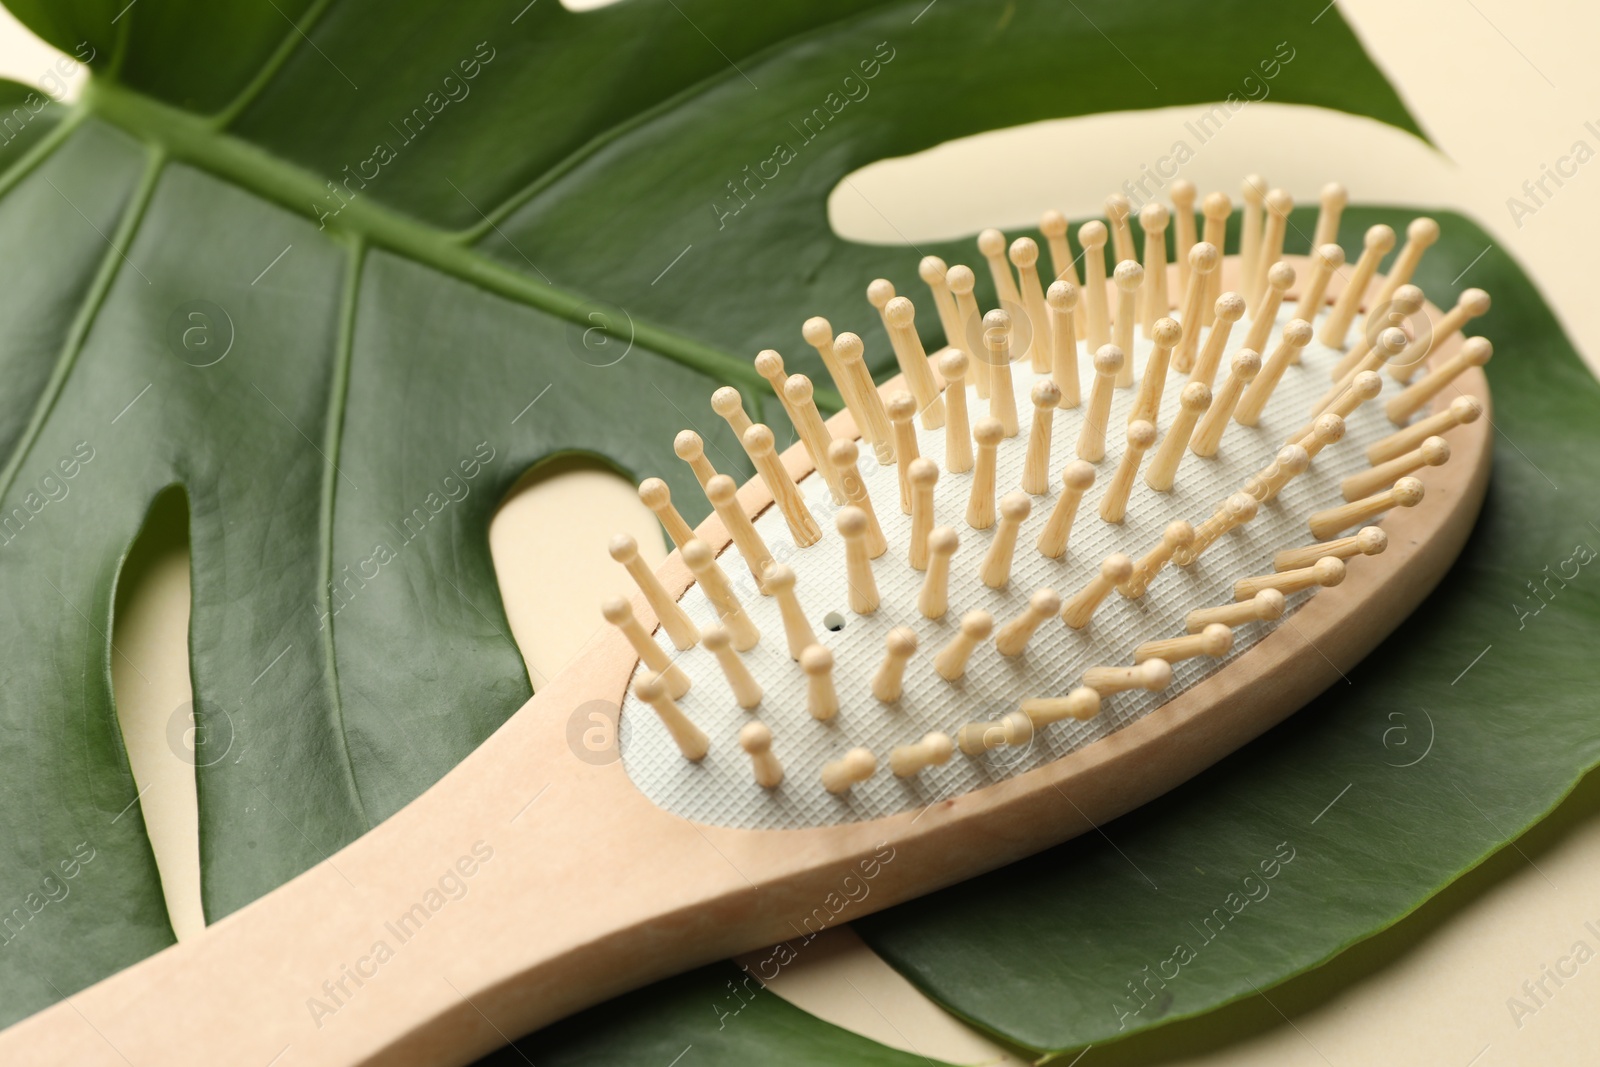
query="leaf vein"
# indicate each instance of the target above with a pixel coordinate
(110, 266)
(334, 434)
(298, 31)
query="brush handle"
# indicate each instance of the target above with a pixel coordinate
(524, 886)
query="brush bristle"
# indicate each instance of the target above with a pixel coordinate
(978, 568)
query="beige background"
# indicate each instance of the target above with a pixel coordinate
(1503, 88)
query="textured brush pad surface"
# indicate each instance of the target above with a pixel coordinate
(720, 789)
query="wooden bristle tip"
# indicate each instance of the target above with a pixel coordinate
(822, 699)
(957, 429)
(933, 750)
(996, 568)
(976, 738)
(1462, 410)
(1097, 318)
(951, 662)
(888, 682)
(1081, 704)
(1024, 255)
(713, 582)
(730, 405)
(1327, 571)
(619, 613)
(992, 246)
(1114, 570)
(692, 450)
(625, 550)
(845, 456)
(1114, 505)
(1266, 606)
(1332, 200)
(813, 432)
(1129, 278)
(1012, 638)
(1062, 297)
(655, 495)
(980, 499)
(1046, 397)
(1192, 404)
(1229, 309)
(900, 317)
(872, 420)
(854, 766)
(762, 448)
(723, 495)
(1002, 388)
(690, 739)
(1153, 675)
(756, 739)
(1215, 640)
(1369, 541)
(1076, 477)
(934, 599)
(1108, 362)
(1379, 239)
(1208, 432)
(746, 690)
(780, 581)
(1405, 493)
(1474, 352)
(902, 409)
(1432, 452)
(852, 524)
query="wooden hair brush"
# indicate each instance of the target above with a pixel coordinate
(1111, 531)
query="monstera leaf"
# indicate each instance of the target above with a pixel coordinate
(1448, 741)
(339, 272)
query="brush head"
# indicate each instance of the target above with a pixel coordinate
(901, 679)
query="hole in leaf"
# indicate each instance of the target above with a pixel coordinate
(150, 684)
(549, 540)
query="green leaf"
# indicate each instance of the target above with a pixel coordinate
(343, 271)
(720, 1012)
(1447, 742)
